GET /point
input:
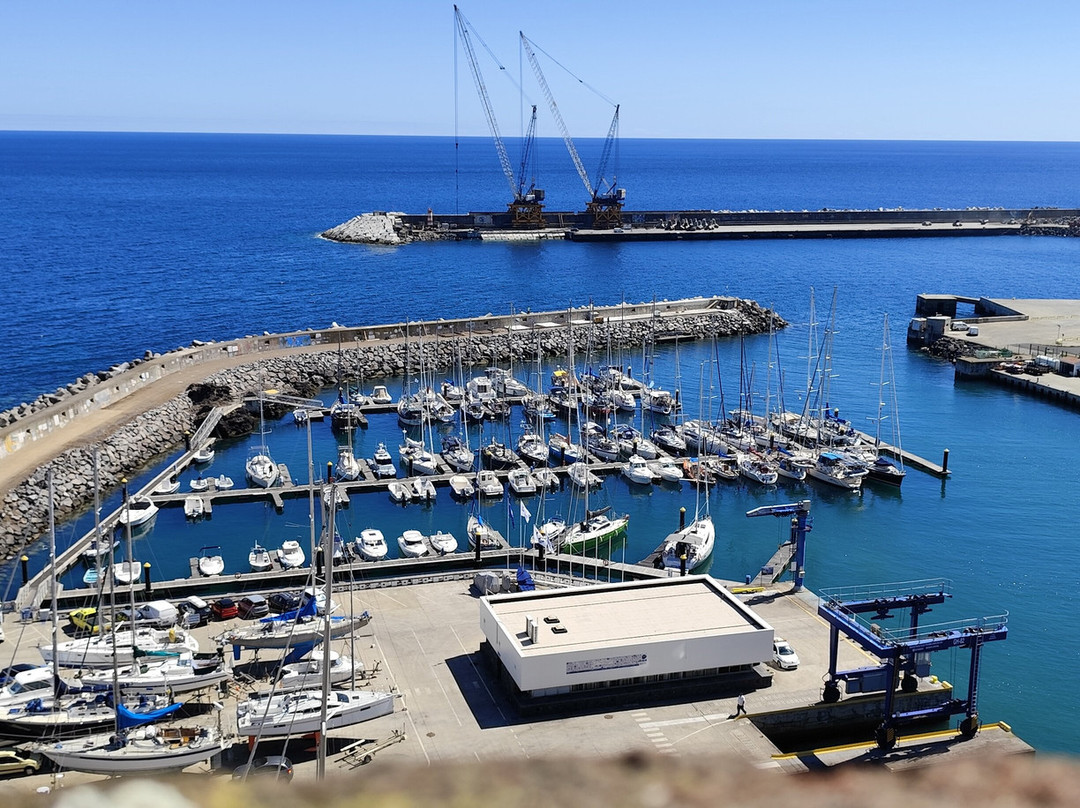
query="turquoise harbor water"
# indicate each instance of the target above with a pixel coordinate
(118, 243)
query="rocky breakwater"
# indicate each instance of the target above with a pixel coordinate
(24, 511)
(368, 228)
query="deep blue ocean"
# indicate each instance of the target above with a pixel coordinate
(113, 244)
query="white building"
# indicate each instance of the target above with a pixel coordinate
(613, 635)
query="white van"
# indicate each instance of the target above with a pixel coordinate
(158, 613)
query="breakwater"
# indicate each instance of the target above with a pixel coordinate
(303, 363)
(674, 225)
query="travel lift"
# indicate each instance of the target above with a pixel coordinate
(904, 650)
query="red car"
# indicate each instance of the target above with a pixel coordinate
(223, 609)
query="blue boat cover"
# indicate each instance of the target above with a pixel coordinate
(126, 718)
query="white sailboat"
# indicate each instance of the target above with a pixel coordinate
(260, 467)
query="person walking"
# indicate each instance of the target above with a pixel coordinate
(740, 706)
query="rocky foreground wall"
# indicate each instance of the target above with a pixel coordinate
(24, 511)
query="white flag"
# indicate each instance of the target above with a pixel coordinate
(525, 513)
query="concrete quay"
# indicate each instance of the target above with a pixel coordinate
(1013, 332)
(423, 643)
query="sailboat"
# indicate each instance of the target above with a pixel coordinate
(312, 710)
(882, 469)
(691, 547)
(260, 467)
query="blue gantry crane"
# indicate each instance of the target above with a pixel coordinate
(905, 651)
(800, 526)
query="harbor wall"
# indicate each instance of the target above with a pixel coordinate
(383, 227)
(300, 363)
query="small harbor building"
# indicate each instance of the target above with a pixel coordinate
(624, 637)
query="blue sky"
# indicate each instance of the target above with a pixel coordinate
(912, 70)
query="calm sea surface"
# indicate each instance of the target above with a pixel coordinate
(118, 243)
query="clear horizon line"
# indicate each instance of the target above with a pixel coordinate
(488, 137)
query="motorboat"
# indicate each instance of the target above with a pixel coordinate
(380, 395)
(521, 482)
(545, 477)
(412, 544)
(211, 563)
(170, 485)
(347, 467)
(259, 559)
(656, 400)
(581, 476)
(621, 400)
(223, 482)
(200, 484)
(666, 470)
(204, 455)
(194, 508)
(138, 511)
(461, 487)
(637, 470)
(127, 572)
(442, 542)
(789, 466)
(336, 494)
(262, 470)
(308, 672)
(488, 483)
(99, 548)
(345, 414)
(300, 712)
(301, 417)
(505, 384)
(291, 555)
(372, 544)
(382, 464)
(424, 489)
(400, 491)
(694, 543)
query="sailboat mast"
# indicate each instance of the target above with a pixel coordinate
(130, 561)
(54, 611)
(328, 564)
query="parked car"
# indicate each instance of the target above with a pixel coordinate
(251, 607)
(784, 655)
(223, 609)
(12, 761)
(86, 621)
(280, 602)
(273, 766)
(193, 611)
(156, 613)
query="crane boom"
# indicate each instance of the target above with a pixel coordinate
(504, 160)
(604, 188)
(526, 154)
(556, 114)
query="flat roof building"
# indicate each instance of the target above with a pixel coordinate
(562, 641)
